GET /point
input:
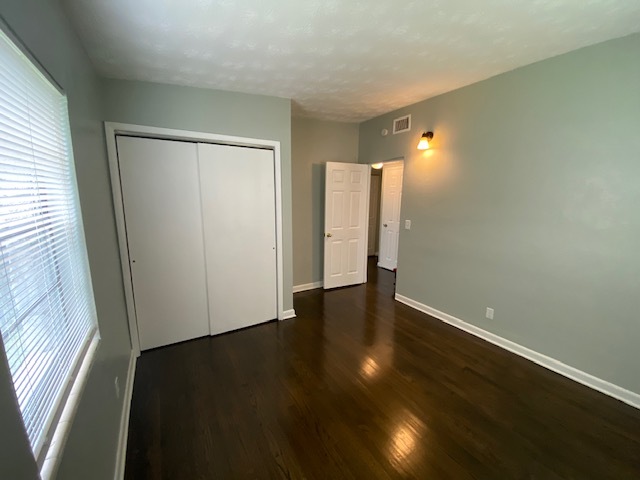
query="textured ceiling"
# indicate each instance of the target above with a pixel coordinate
(346, 60)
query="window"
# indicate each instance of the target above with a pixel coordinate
(47, 310)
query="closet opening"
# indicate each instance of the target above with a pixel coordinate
(199, 220)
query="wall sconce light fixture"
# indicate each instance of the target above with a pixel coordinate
(423, 144)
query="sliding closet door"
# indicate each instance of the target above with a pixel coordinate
(238, 211)
(160, 189)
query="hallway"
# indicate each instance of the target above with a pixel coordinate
(361, 386)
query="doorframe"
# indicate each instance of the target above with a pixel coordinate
(112, 129)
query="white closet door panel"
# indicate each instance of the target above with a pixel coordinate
(160, 189)
(238, 205)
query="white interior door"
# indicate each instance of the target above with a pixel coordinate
(374, 213)
(160, 190)
(346, 205)
(238, 205)
(390, 214)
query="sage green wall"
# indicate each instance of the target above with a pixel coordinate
(528, 203)
(211, 111)
(313, 143)
(91, 447)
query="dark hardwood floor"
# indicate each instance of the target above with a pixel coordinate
(359, 386)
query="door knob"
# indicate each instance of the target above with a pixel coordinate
(328, 235)
(384, 225)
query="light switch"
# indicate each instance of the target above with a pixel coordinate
(407, 224)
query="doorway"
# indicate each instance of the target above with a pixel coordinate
(373, 241)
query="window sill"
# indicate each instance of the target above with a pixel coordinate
(54, 453)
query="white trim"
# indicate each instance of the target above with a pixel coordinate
(289, 314)
(307, 286)
(365, 273)
(118, 206)
(112, 129)
(279, 235)
(615, 391)
(121, 454)
(51, 463)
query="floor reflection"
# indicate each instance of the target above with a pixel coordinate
(369, 367)
(406, 442)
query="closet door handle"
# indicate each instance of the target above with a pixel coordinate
(328, 235)
(384, 225)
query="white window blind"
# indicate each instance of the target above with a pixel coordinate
(46, 300)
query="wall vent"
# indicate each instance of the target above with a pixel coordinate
(402, 124)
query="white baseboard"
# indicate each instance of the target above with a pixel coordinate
(615, 391)
(287, 314)
(307, 286)
(121, 457)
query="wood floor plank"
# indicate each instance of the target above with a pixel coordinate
(359, 386)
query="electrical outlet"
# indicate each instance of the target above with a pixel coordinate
(407, 224)
(117, 383)
(489, 313)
